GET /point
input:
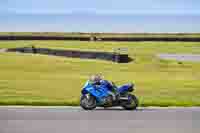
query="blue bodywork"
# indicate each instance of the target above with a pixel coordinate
(100, 92)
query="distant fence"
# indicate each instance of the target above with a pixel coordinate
(115, 57)
(152, 39)
(43, 38)
(184, 39)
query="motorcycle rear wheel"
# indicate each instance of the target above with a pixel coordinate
(88, 103)
(132, 104)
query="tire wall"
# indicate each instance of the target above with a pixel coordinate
(74, 54)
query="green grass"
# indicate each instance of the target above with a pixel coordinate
(104, 35)
(27, 79)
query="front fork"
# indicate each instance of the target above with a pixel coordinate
(87, 96)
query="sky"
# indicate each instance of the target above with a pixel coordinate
(100, 6)
(10, 11)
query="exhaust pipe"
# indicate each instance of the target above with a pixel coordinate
(123, 98)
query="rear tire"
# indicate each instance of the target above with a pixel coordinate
(88, 104)
(132, 104)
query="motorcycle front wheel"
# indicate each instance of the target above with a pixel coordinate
(131, 104)
(88, 102)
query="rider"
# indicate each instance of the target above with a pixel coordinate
(98, 80)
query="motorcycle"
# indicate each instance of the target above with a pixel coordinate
(98, 95)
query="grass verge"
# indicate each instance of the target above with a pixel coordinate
(27, 79)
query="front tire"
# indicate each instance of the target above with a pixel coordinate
(88, 102)
(132, 104)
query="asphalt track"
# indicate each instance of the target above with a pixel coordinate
(181, 57)
(115, 120)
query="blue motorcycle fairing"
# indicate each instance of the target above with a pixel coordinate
(85, 90)
(125, 88)
(106, 84)
(99, 92)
